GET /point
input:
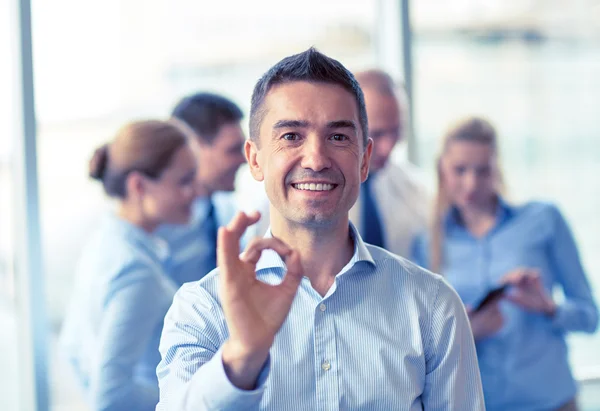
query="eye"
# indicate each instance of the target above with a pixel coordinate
(188, 179)
(483, 172)
(339, 137)
(290, 137)
(460, 170)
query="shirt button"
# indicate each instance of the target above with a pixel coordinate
(322, 307)
(326, 366)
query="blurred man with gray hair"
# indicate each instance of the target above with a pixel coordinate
(392, 206)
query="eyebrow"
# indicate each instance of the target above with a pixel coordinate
(290, 124)
(342, 124)
(305, 124)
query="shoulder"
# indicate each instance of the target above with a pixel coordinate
(543, 209)
(409, 174)
(111, 246)
(412, 276)
(538, 214)
(416, 287)
(406, 181)
(203, 292)
(111, 254)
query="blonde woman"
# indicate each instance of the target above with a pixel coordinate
(479, 241)
(122, 292)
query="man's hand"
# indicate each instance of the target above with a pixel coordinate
(529, 291)
(487, 321)
(254, 310)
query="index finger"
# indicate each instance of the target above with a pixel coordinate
(514, 277)
(228, 238)
(238, 225)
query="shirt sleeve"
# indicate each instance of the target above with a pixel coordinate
(452, 380)
(191, 374)
(579, 311)
(134, 311)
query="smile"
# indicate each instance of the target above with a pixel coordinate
(314, 186)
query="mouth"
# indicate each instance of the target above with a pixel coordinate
(314, 186)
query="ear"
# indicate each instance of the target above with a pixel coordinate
(366, 160)
(252, 156)
(135, 185)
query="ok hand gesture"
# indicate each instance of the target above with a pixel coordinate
(254, 310)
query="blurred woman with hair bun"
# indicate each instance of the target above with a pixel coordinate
(122, 291)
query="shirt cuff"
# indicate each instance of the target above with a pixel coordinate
(562, 317)
(218, 392)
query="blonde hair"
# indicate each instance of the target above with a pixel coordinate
(471, 129)
(147, 147)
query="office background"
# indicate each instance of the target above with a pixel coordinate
(532, 67)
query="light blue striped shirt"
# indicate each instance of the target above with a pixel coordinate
(525, 365)
(113, 325)
(191, 246)
(388, 335)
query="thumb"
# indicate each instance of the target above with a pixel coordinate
(294, 274)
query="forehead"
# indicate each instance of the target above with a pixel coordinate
(469, 152)
(317, 103)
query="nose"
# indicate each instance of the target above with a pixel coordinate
(315, 155)
(190, 193)
(470, 181)
(384, 145)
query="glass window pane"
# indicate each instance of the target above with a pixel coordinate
(9, 333)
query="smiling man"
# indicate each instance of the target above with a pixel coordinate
(310, 317)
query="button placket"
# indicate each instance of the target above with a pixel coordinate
(325, 358)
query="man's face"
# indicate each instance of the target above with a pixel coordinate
(219, 161)
(310, 153)
(385, 125)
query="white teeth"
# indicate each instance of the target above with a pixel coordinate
(314, 187)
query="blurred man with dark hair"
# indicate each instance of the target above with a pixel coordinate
(310, 317)
(217, 142)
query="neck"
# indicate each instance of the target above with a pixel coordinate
(133, 216)
(324, 251)
(203, 190)
(479, 219)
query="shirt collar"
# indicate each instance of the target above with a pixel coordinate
(270, 258)
(504, 212)
(201, 208)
